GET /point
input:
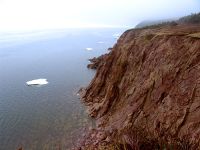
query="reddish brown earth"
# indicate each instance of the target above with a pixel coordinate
(95, 62)
(150, 83)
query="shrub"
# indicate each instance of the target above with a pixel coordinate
(191, 19)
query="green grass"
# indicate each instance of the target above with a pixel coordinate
(192, 19)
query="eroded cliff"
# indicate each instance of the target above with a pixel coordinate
(150, 81)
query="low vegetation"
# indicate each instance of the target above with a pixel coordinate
(195, 35)
(168, 23)
(190, 19)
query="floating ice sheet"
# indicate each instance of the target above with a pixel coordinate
(89, 49)
(37, 82)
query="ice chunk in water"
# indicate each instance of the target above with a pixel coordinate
(37, 82)
(89, 49)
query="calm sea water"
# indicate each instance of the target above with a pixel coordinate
(51, 116)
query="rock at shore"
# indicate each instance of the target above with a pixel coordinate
(96, 62)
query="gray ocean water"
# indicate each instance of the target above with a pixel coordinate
(51, 116)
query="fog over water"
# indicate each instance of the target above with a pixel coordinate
(53, 14)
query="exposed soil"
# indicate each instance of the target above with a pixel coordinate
(148, 84)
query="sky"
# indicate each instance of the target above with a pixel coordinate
(54, 14)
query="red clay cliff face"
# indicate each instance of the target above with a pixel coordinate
(150, 80)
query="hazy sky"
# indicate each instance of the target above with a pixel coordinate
(45, 14)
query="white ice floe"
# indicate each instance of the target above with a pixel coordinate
(37, 82)
(89, 49)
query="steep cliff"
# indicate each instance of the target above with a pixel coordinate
(150, 81)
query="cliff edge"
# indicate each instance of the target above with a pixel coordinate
(148, 87)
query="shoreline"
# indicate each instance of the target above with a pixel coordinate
(105, 94)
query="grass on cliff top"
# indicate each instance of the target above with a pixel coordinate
(195, 35)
